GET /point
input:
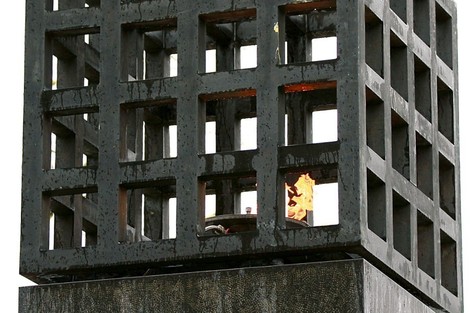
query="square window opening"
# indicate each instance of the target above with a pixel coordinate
(73, 60)
(229, 42)
(308, 33)
(72, 219)
(311, 114)
(150, 212)
(228, 205)
(148, 131)
(149, 51)
(71, 141)
(230, 121)
(311, 198)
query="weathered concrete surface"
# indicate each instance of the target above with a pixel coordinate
(340, 286)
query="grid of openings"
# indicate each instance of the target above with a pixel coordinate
(258, 127)
(411, 127)
(229, 41)
(149, 50)
(307, 33)
(72, 59)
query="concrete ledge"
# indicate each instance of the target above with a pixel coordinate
(339, 286)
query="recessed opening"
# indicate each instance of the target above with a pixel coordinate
(399, 7)
(423, 89)
(311, 113)
(400, 145)
(148, 131)
(421, 21)
(229, 42)
(375, 128)
(445, 107)
(228, 205)
(401, 225)
(424, 166)
(149, 51)
(308, 34)
(449, 263)
(72, 220)
(150, 212)
(447, 186)
(444, 33)
(73, 60)
(311, 198)
(376, 205)
(374, 42)
(72, 141)
(230, 121)
(425, 244)
(399, 65)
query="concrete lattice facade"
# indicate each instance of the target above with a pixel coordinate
(102, 93)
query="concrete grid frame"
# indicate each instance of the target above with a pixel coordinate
(103, 105)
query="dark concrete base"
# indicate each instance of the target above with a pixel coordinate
(340, 286)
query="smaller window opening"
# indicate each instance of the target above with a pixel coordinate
(53, 150)
(211, 61)
(248, 131)
(173, 65)
(54, 72)
(210, 137)
(324, 49)
(249, 202)
(248, 56)
(324, 126)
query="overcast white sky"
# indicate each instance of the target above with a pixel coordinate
(11, 84)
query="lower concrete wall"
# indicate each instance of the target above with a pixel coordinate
(340, 286)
